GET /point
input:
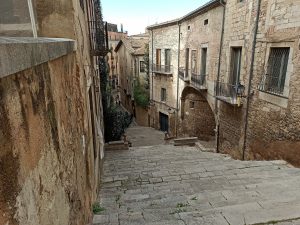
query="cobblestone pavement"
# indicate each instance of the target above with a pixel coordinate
(144, 136)
(167, 185)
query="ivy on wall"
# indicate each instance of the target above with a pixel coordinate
(115, 119)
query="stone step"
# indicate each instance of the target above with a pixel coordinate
(191, 141)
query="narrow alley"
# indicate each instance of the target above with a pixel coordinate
(163, 184)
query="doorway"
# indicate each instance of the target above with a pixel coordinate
(164, 122)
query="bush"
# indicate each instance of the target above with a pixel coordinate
(141, 96)
(116, 121)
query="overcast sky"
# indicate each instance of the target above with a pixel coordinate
(136, 15)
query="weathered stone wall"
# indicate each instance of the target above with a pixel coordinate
(238, 32)
(274, 128)
(197, 118)
(125, 68)
(47, 169)
(141, 116)
(53, 143)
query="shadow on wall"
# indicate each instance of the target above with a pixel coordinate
(197, 118)
(277, 150)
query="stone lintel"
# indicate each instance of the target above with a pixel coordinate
(21, 53)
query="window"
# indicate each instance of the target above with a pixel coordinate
(206, 22)
(81, 4)
(158, 56)
(235, 70)
(142, 67)
(274, 79)
(189, 28)
(163, 94)
(192, 104)
(168, 59)
(203, 61)
(187, 59)
(194, 61)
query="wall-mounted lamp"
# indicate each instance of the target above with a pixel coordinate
(240, 93)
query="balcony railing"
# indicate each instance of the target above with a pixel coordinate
(198, 81)
(163, 69)
(272, 85)
(184, 74)
(98, 38)
(227, 92)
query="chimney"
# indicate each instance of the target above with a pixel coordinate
(121, 27)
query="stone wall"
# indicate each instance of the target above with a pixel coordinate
(53, 137)
(47, 169)
(274, 129)
(197, 118)
(273, 119)
(141, 116)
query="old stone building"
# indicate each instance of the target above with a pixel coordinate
(132, 69)
(182, 84)
(229, 69)
(114, 36)
(51, 129)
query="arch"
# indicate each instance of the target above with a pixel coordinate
(197, 117)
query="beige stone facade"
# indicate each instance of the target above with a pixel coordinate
(51, 128)
(192, 34)
(260, 123)
(131, 68)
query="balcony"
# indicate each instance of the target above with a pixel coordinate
(163, 69)
(227, 93)
(198, 81)
(184, 74)
(98, 38)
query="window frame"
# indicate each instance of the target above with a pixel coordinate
(163, 94)
(233, 78)
(203, 66)
(142, 66)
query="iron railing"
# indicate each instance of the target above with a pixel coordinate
(99, 38)
(198, 81)
(226, 92)
(184, 74)
(163, 69)
(181, 73)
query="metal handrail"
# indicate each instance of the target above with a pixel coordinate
(167, 69)
(226, 90)
(198, 80)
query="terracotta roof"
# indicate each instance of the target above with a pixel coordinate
(135, 46)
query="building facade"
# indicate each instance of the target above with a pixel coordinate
(132, 69)
(51, 128)
(228, 70)
(114, 36)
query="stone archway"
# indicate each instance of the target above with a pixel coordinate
(197, 118)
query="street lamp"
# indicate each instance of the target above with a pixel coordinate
(240, 90)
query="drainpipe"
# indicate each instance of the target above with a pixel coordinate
(250, 77)
(218, 76)
(152, 64)
(177, 101)
(32, 18)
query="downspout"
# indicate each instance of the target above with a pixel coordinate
(250, 77)
(218, 77)
(32, 18)
(152, 64)
(177, 101)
